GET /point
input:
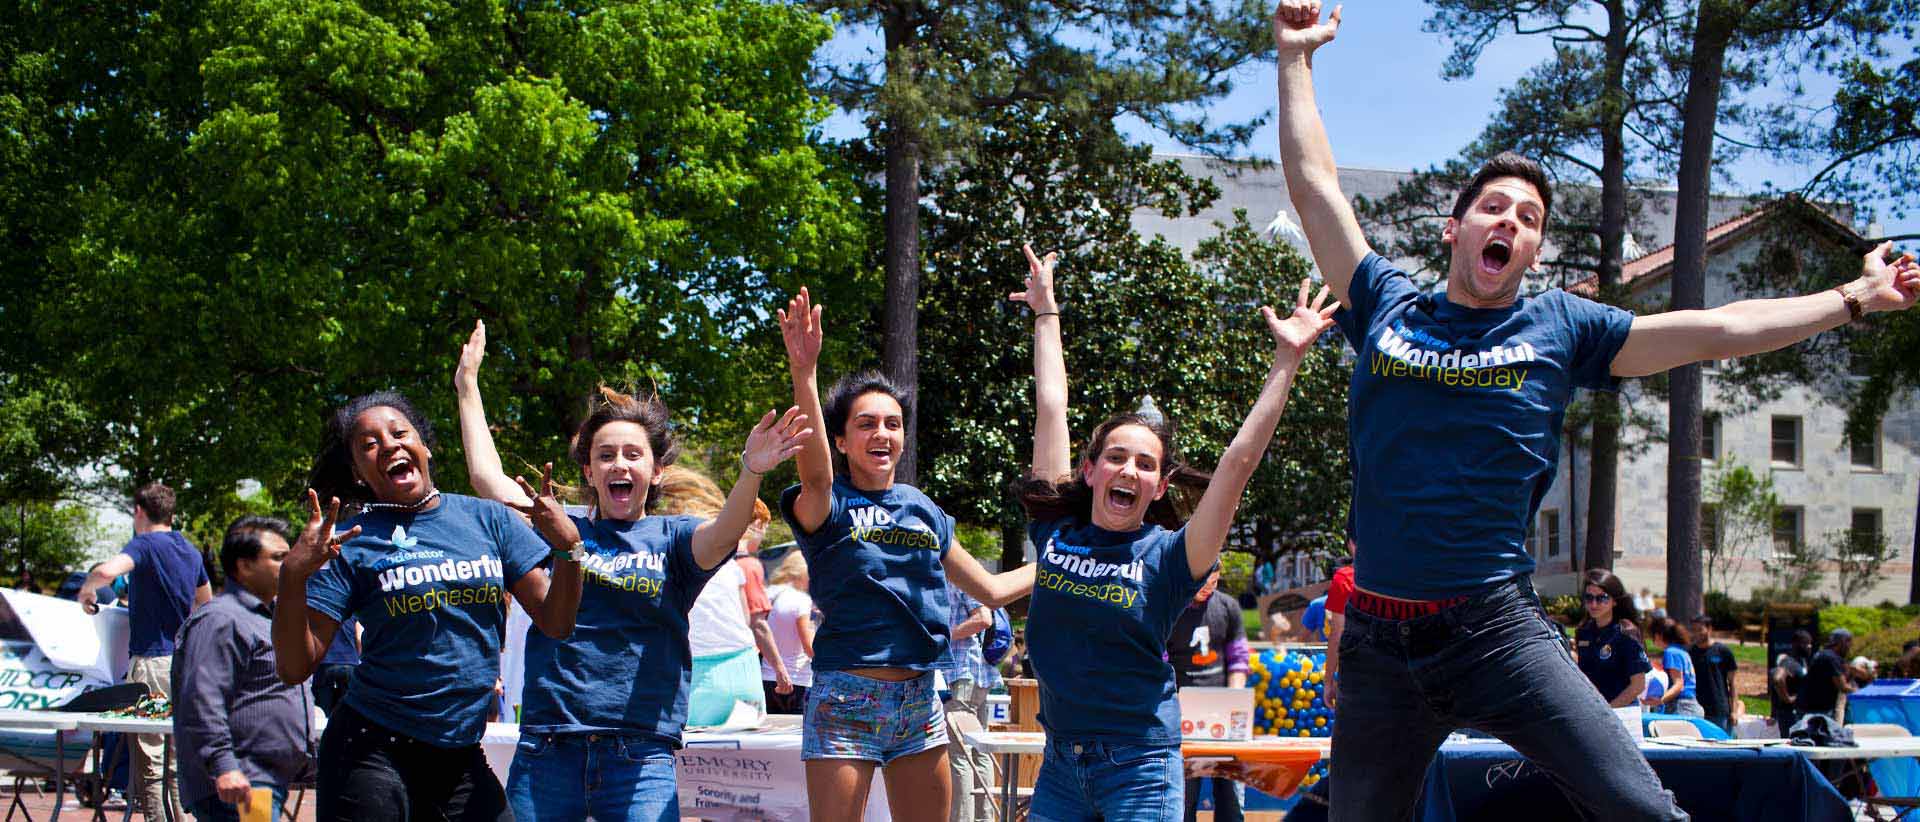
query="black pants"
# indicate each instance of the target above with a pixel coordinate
(793, 703)
(330, 684)
(371, 774)
(1226, 802)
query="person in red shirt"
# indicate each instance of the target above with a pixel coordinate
(1337, 593)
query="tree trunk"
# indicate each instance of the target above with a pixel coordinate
(1714, 31)
(900, 317)
(1604, 451)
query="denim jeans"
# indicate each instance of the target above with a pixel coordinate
(1494, 664)
(568, 777)
(1087, 781)
(211, 809)
(371, 774)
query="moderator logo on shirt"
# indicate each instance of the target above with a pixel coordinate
(871, 523)
(416, 583)
(1078, 576)
(1405, 352)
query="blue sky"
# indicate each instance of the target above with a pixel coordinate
(1386, 105)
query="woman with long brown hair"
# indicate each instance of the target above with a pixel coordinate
(1608, 644)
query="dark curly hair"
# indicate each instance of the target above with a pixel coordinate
(1051, 498)
(649, 412)
(332, 474)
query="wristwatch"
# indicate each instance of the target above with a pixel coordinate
(572, 553)
(1855, 308)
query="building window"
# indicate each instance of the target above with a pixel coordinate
(1550, 523)
(1709, 528)
(1866, 526)
(1866, 452)
(1786, 442)
(1787, 530)
(1710, 437)
(1533, 539)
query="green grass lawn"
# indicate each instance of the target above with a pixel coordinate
(1758, 705)
(1754, 655)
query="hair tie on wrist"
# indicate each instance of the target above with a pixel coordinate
(1046, 314)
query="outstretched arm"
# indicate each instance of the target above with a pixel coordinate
(1313, 183)
(1658, 342)
(992, 590)
(769, 443)
(801, 331)
(483, 462)
(1051, 455)
(1213, 517)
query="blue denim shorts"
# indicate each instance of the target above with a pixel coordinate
(853, 717)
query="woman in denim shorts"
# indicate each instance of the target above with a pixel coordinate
(1115, 568)
(880, 555)
(604, 707)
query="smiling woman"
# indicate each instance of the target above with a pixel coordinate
(425, 574)
(589, 698)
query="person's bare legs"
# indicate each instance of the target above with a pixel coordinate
(920, 786)
(837, 789)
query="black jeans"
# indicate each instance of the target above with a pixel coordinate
(1493, 664)
(330, 685)
(1226, 800)
(371, 774)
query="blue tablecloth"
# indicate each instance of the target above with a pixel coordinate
(1491, 781)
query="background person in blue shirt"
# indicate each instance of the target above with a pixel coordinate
(1313, 620)
(879, 556)
(166, 579)
(427, 575)
(1681, 695)
(1116, 566)
(1442, 497)
(604, 708)
(1607, 645)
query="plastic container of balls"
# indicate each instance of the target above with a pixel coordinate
(1216, 714)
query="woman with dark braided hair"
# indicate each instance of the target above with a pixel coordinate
(427, 575)
(604, 708)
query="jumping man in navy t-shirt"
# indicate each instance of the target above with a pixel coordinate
(1116, 567)
(1442, 497)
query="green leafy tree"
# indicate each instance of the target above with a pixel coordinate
(943, 73)
(1140, 321)
(1857, 557)
(44, 542)
(1744, 506)
(226, 217)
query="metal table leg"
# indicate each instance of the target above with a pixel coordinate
(1009, 785)
(59, 775)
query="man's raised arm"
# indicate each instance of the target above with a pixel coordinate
(1313, 184)
(1675, 338)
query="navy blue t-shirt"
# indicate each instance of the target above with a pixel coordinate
(626, 668)
(1454, 421)
(343, 651)
(874, 572)
(1609, 657)
(1103, 605)
(167, 569)
(431, 588)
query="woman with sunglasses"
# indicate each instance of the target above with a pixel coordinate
(1608, 644)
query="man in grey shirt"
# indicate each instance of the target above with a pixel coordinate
(237, 726)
